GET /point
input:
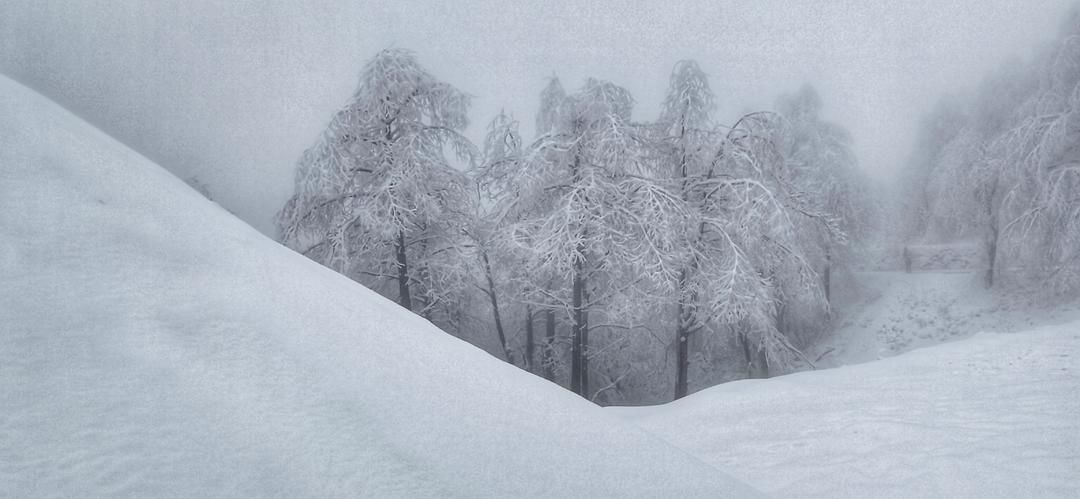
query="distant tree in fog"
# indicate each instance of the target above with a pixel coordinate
(824, 172)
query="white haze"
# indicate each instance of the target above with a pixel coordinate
(232, 92)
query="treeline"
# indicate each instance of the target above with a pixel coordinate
(619, 258)
(1004, 166)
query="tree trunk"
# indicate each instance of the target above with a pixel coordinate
(682, 358)
(756, 363)
(761, 365)
(585, 340)
(549, 345)
(495, 307)
(404, 297)
(828, 275)
(991, 255)
(992, 239)
(530, 350)
(578, 331)
(745, 343)
(682, 342)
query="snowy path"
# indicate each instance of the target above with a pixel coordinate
(991, 416)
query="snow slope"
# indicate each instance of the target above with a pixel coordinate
(882, 314)
(997, 415)
(153, 345)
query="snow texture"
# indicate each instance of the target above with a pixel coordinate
(995, 415)
(153, 345)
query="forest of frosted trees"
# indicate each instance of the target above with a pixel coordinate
(636, 261)
(620, 258)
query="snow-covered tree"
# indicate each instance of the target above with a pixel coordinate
(584, 209)
(376, 198)
(497, 182)
(736, 232)
(1042, 155)
(501, 155)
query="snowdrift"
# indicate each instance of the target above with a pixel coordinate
(153, 345)
(996, 415)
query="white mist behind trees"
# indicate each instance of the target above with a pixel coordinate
(632, 240)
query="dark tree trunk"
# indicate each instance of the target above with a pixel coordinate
(761, 365)
(584, 340)
(682, 342)
(578, 331)
(991, 255)
(404, 297)
(828, 275)
(530, 349)
(549, 344)
(682, 359)
(756, 363)
(747, 356)
(992, 238)
(495, 308)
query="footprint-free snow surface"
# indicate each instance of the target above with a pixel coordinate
(152, 345)
(996, 415)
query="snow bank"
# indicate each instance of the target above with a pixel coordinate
(153, 345)
(997, 415)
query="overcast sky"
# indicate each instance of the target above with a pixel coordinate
(233, 91)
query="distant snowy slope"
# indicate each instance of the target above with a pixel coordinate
(991, 416)
(153, 345)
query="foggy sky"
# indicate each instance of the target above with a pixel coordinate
(234, 91)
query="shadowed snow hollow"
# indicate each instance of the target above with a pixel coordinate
(153, 345)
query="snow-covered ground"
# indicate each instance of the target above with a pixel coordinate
(996, 415)
(152, 345)
(888, 313)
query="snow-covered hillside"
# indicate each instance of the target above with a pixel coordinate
(990, 416)
(153, 345)
(883, 314)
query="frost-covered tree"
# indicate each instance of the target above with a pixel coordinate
(376, 198)
(498, 181)
(735, 232)
(501, 155)
(585, 210)
(1041, 153)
